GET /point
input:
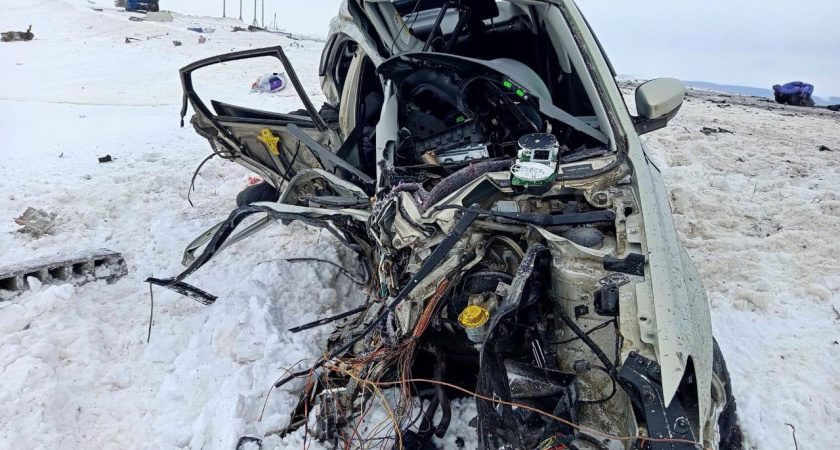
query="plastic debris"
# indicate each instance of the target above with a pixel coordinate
(36, 222)
(270, 83)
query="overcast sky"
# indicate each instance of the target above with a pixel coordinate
(741, 42)
(744, 42)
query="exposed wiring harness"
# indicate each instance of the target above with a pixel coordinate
(581, 428)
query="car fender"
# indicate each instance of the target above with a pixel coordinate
(682, 321)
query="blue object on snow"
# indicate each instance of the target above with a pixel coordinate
(138, 5)
(793, 88)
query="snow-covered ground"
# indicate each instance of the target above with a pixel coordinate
(759, 210)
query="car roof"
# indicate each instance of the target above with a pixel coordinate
(408, 6)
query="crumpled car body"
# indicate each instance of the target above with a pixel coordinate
(516, 241)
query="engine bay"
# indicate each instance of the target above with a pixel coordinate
(457, 111)
(526, 303)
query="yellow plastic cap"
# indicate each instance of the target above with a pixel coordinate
(473, 317)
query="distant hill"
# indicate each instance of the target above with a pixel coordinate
(753, 91)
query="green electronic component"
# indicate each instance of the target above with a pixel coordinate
(536, 161)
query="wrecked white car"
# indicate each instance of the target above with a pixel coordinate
(515, 241)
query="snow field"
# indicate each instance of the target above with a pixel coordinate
(758, 210)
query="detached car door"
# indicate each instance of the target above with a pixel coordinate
(276, 135)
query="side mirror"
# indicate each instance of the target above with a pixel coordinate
(657, 102)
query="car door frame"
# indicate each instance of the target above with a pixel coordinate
(221, 130)
(191, 97)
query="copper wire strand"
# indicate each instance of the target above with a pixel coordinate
(306, 406)
(271, 389)
(411, 345)
(362, 418)
(403, 355)
(363, 442)
(367, 385)
(382, 399)
(365, 437)
(385, 356)
(530, 408)
(340, 410)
